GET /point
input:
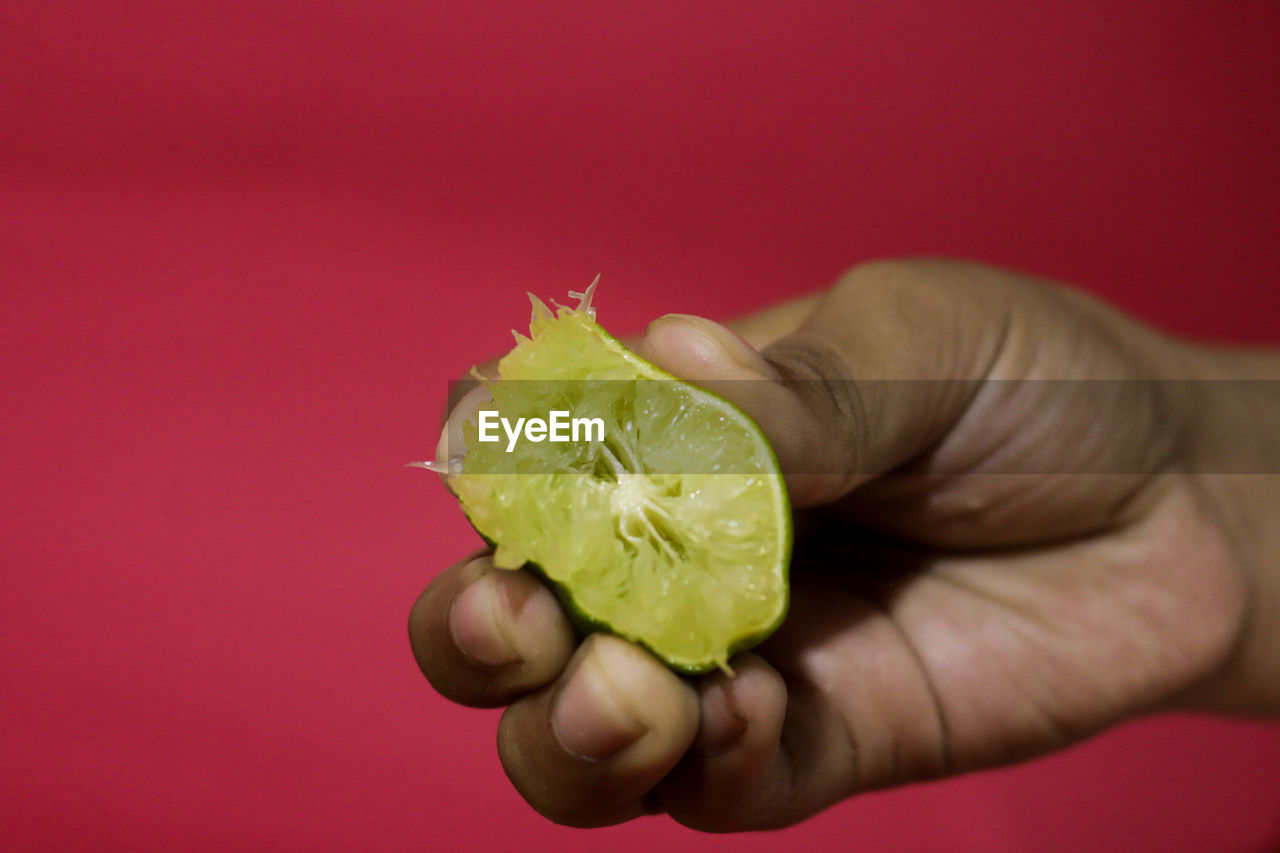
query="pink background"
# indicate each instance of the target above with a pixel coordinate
(243, 248)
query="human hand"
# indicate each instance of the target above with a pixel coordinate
(987, 565)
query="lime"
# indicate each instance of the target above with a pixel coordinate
(660, 516)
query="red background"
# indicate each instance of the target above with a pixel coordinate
(244, 246)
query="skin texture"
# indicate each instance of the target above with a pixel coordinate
(946, 613)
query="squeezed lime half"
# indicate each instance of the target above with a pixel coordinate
(669, 527)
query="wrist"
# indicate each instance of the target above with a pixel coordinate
(1232, 460)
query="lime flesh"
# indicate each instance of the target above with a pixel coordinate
(670, 527)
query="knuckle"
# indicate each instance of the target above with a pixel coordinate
(880, 271)
(819, 379)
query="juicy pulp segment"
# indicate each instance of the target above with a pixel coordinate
(674, 531)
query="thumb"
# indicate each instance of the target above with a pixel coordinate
(705, 352)
(881, 369)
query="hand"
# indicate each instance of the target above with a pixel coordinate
(987, 566)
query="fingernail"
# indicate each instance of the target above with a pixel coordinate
(718, 343)
(590, 719)
(477, 626)
(444, 463)
(451, 449)
(721, 725)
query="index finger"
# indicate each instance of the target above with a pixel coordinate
(484, 636)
